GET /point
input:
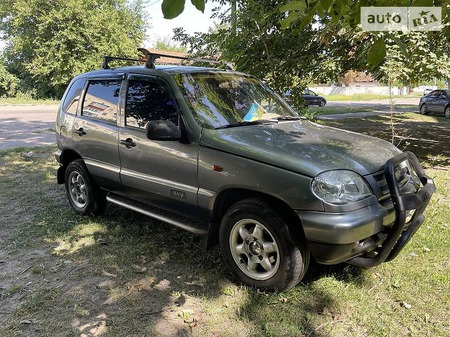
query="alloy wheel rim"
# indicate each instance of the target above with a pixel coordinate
(77, 189)
(254, 249)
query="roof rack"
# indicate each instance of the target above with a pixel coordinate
(152, 57)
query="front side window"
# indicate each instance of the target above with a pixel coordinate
(101, 100)
(434, 93)
(228, 99)
(148, 100)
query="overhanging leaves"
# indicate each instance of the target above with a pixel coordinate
(377, 53)
(172, 8)
(293, 6)
(199, 4)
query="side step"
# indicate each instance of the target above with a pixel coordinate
(159, 214)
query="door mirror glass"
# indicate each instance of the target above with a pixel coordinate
(162, 130)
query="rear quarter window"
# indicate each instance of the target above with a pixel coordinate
(72, 98)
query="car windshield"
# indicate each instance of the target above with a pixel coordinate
(220, 99)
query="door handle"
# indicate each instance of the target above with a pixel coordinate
(128, 143)
(80, 132)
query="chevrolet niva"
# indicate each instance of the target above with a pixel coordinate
(216, 152)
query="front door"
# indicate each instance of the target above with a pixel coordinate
(441, 101)
(163, 173)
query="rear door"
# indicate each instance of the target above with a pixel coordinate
(95, 130)
(162, 173)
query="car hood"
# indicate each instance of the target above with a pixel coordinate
(303, 147)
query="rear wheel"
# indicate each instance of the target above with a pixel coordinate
(423, 109)
(84, 195)
(258, 248)
(447, 112)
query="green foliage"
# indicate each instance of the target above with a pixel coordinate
(368, 49)
(413, 58)
(172, 8)
(52, 41)
(377, 53)
(260, 46)
(8, 82)
(199, 4)
(319, 40)
(166, 44)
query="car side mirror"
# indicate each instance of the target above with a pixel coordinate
(162, 130)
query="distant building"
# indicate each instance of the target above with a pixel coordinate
(168, 60)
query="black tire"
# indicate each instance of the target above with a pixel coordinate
(258, 248)
(322, 103)
(447, 112)
(84, 195)
(423, 109)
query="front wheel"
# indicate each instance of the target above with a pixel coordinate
(423, 109)
(84, 195)
(322, 103)
(447, 112)
(258, 248)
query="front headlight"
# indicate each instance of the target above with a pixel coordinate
(340, 187)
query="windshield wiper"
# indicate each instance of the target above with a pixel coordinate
(234, 125)
(288, 118)
(245, 123)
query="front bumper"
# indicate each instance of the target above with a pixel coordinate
(373, 234)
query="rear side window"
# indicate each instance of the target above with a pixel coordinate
(149, 100)
(101, 100)
(73, 96)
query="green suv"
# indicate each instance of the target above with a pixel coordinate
(216, 152)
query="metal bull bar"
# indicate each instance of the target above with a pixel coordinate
(402, 230)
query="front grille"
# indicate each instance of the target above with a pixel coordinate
(383, 192)
(406, 177)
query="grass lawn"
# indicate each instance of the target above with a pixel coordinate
(122, 274)
(366, 97)
(355, 108)
(26, 100)
(332, 110)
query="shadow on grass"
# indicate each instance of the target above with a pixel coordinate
(426, 136)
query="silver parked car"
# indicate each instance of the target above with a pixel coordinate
(437, 101)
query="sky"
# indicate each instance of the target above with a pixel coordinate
(192, 20)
